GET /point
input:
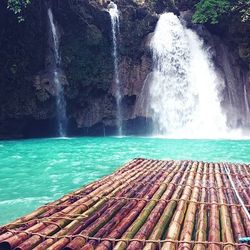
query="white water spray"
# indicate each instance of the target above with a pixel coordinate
(60, 101)
(114, 15)
(185, 90)
(247, 108)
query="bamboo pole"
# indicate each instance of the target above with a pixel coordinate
(246, 169)
(214, 219)
(126, 222)
(133, 229)
(245, 220)
(201, 232)
(79, 241)
(168, 212)
(60, 243)
(242, 184)
(238, 227)
(226, 226)
(175, 225)
(63, 242)
(154, 216)
(103, 232)
(189, 221)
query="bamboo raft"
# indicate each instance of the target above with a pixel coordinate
(146, 204)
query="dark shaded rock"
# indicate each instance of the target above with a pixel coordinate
(141, 13)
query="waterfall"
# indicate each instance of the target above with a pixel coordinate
(60, 101)
(247, 108)
(115, 25)
(185, 88)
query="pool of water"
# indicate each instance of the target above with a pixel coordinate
(34, 172)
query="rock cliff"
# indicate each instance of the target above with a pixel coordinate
(27, 96)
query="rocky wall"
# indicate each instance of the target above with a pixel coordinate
(27, 96)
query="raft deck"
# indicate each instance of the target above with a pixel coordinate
(146, 204)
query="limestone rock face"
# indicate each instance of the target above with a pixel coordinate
(27, 94)
(231, 38)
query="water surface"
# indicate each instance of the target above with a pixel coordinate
(34, 172)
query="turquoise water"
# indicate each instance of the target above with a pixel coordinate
(34, 172)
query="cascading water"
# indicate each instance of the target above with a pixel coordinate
(185, 88)
(60, 101)
(115, 24)
(247, 106)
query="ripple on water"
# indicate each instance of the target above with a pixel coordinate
(23, 200)
(17, 157)
(77, 180)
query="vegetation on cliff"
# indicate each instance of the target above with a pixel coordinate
(206, 11)
(209, 11)
(17, 7)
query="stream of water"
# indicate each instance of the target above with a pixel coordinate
(115, 24)
(247, 108)
(60, 100)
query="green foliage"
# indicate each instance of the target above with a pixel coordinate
(210, 10)
(245, 15)
(242, 7)
(17, 6)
